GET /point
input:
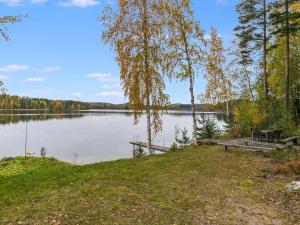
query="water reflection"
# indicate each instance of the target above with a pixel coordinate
(7, 119)
(93, 135)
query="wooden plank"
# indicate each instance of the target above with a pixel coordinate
(294, 139)
(246, 146)
(153, 147)
(251, 145)
(296, 148)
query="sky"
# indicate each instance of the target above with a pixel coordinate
(56, 52)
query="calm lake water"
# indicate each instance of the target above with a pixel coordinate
(92, 136)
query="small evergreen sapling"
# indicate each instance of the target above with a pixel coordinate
(183, 140)
(174, 147)
(138, 152)
(43, 152)
(207, 129)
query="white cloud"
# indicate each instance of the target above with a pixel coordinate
(20, 2)
(110, 94)
(79, 3)
(48, 69)
(3, 77)
(77, 94)
(38, 2)
(111, 85)
(221, 2)
(105, 78)
(11, 2)
(99, 76)
(14, 68)
(35, 79)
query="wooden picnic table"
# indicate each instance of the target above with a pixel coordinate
(266, 135)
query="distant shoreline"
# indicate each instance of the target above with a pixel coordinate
(66, 112)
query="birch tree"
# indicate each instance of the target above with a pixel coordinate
(3, 25)
(136, 32)
(219, 85)
(186, 41)
(3, 34)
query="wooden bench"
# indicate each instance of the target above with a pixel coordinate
(293, 139)
(254, 148)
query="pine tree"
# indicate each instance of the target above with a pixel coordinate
(242, 73)
(285, 23)
(252, 35)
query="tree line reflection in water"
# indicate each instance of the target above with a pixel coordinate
(17, 116)
(14, 118)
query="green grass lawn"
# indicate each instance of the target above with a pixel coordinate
(199, 185)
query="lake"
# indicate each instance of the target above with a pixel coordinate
(86, 136)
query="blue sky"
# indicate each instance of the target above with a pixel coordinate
(57, 52)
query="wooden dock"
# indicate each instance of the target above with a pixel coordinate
(153, 147)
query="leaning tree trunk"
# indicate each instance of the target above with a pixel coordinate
(287, 58)
(191, 77)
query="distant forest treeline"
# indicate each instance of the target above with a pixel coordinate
(14, 102)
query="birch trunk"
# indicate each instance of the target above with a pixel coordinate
(193, 109)
(149, 136)
(148, 105)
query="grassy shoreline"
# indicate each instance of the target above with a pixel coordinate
(198, 185)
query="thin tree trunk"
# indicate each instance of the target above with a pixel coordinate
(149, 138)
(287, 58)
(193, 109)
(227, 109)
(26, 137)
(148, 104)
(249, 83)
(266, 88)
(191, 78)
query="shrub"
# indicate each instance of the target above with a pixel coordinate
(282, 156)
(174, 147)
(43, 152)
(290, 167)
(246, 115)
(207, 129)
(282, 120)
(138, 152)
